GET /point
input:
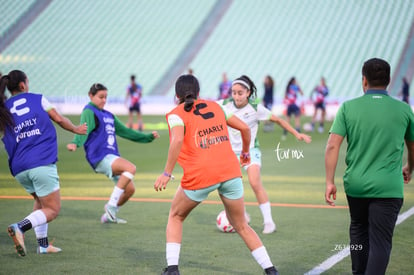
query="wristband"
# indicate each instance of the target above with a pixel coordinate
(168, 175)
(245, 155)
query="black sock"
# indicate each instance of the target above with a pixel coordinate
(24, 225)
(172, 268)
(43, 242)
(272, 268)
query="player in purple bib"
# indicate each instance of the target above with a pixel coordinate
(29, 137)
(102, 153)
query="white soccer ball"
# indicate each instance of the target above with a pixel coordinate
(223, 223)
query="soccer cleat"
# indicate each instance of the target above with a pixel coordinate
(271, 271)
(269, 228)
(47, 250)
(18, 238)
(120, 221)
(105, 219)
(111, 212)
(320, 129)
(166, 272)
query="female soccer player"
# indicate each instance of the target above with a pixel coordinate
(30, 140)
(102, 150)
(199, 141)
(242, 90)
(318, 95)
(291, 94)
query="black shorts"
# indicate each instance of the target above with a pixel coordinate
(135, 107)
(320, 105)
(293, 109)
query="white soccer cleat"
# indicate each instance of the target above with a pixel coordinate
(320, 129)
(111, 212)
(269, 228)
(47, 250)
(106, 219)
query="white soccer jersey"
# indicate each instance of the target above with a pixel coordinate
(251, 114)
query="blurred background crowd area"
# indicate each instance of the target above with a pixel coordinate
(66, 46)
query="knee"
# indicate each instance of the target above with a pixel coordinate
(132, 169)
(177, 216)
(130, 172)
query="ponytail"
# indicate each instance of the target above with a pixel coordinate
(187, 89)
(288, 85)
(188, 101)
(6, 118)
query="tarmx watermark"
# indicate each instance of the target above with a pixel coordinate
(282, 153)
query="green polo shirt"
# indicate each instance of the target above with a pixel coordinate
(375, 126)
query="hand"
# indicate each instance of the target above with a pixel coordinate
(155, 134)
(244, 158)
(81, 129)
(330, 191)
(161, 182)
(304, 137)
(71, 147)
(406, 174)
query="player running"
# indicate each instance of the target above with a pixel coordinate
(243, 90)
(30, 140)
(199, 141)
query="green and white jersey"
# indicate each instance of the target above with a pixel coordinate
(375, 126)
(251, 114)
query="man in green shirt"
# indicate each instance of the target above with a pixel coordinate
(376, 126)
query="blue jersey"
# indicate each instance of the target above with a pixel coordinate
(31, 142)
(292, 94)
(102, 140)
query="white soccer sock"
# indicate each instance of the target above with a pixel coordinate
(116, 194)
(261, 257)
(37, 218)
(266, 212)
(173, 253)
(41, 231)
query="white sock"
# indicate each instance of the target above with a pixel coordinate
(37, 218)
(41, 231)
(261, 257)
(266, 212)
(173, 253)
(116, 194)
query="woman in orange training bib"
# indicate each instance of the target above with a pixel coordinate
(199, 142)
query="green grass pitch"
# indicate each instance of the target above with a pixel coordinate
(307, 234)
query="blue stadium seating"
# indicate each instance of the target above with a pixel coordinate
(73, 44)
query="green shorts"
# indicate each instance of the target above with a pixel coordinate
(41, 180)
(105, 167)
(255, 158)
(231, 189)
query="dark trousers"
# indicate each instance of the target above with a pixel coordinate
(371, 230)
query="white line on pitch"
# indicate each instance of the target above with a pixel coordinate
(333, 260)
